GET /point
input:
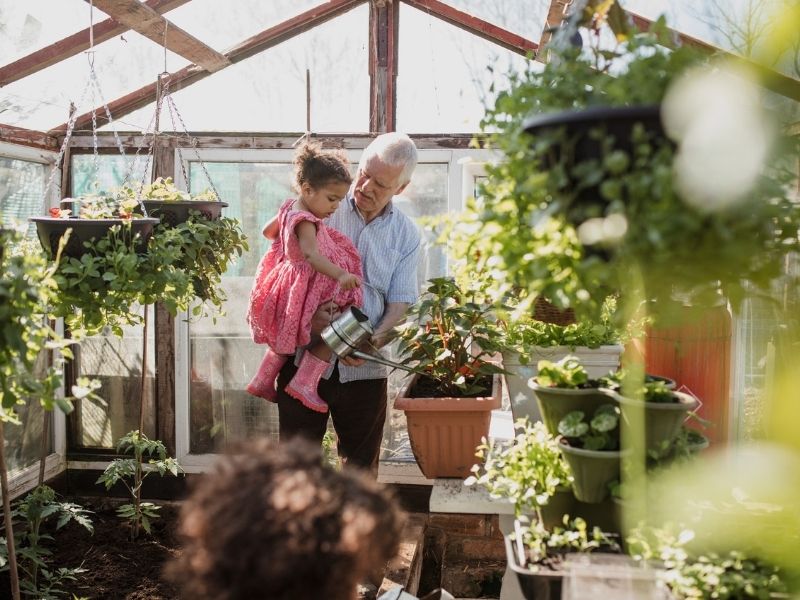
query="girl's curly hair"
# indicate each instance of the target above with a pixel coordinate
(272, 521)
(318, 167)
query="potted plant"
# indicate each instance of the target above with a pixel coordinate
(537, 554)
(562, 387)
(449, 335)
(591, 447)
(665, 409)
(204, 242)
(90, 217)
(527, 341)
(173, 206)
(528, 472)
(574, 227)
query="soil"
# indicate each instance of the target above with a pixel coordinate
(425, 387)
(117, 568)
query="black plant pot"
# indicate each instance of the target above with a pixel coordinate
(175, 213)
(586, 134)
(535, 585)
(51, 229)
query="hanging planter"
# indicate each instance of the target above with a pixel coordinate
(173, 206)
(86, 231)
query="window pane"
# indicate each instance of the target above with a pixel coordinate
(24, 441)
(22, 196)
(21, 189)
(107, 171)
(223, 357)
(117, 363)
(447, 76)
(523, 17)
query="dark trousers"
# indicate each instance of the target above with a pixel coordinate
(358, 410)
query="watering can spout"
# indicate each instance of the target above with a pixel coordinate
(345, 336)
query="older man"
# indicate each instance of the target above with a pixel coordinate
(389, 243)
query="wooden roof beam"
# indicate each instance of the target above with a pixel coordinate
(73, 44)
(150, 24)
(474, 25)
(193, 73)
(771, 79)
(28, 137)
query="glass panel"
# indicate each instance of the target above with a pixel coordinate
(33, 24)
(110, 171)
(523, 17)
(426, 195)
(117, 364)
(222, 25)
(123, 64)
(223, 356)
(267, 92)
(21, 193)
(444, 83)
(21, 190)
(24, 441)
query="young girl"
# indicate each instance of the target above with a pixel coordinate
(307, 265)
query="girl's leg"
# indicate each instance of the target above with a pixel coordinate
(303, 385)
(263, 383)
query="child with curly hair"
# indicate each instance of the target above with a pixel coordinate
(308, 264)
(273, 521)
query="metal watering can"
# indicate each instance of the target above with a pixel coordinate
(346, 334)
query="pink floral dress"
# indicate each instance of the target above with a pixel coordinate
(287, 290)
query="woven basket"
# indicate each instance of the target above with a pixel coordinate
(545, 311)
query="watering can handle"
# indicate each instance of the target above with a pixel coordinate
(383, 361)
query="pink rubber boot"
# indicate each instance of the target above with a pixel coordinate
(303, 385)
(263, 383)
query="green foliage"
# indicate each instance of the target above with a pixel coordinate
(543, 544)
(567, 373)
(600, 433)
(524, 232)
(527, 470)
(651, 389)
(27, 286)
(131, 472)
(37, 577)
(696, 575)
(451, 335)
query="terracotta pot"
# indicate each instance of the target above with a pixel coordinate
(444, 432)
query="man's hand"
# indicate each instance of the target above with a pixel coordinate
(326, 313)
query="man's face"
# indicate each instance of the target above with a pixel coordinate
(376, 183)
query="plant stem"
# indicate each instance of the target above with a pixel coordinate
(12, 555)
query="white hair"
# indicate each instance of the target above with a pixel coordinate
(394, 149)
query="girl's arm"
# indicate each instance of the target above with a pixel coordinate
(306, 233)
(270, 230)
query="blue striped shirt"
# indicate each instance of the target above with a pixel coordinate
(389, 247)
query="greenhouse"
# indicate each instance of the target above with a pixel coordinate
(541, 340)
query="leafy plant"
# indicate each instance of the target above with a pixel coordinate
(27, 285)
(600, 433)
(546, 548)
(451, 336)
(696, 575)
(132, 473)
(537, 231)
(652, 389)
(527, 470)
(40, 506)
(567, 373)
